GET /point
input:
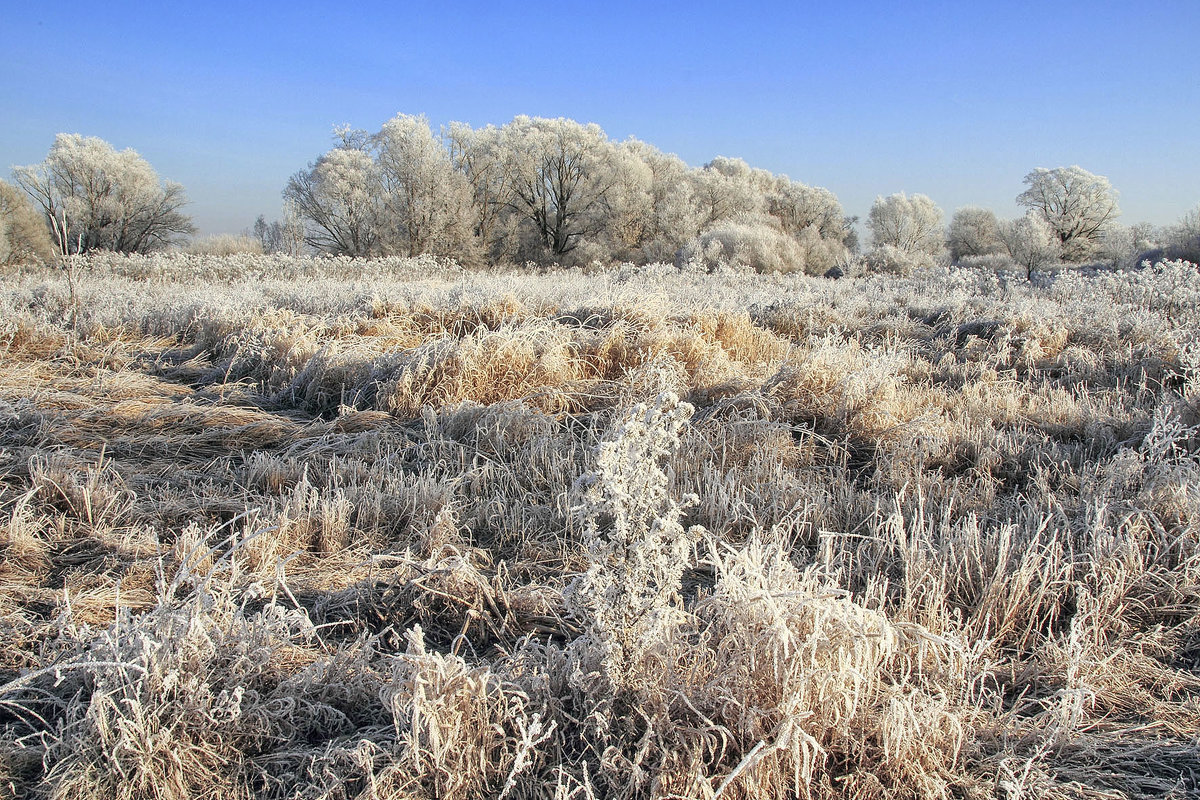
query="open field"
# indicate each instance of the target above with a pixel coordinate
(322, 528)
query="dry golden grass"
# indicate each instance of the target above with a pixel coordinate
(291, 528)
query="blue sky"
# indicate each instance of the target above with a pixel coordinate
(957, 100)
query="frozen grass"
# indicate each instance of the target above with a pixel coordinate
(299, 528)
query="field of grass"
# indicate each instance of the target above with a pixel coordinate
(317, 528)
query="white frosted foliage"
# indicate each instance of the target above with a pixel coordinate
(636, 546)
(98, 198)
(1077, 205)
(913, 225)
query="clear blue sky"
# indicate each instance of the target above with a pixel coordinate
(957, 100)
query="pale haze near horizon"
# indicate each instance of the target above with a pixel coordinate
(865, 99)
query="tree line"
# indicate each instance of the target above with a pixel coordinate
(558, 191)
(549, 190)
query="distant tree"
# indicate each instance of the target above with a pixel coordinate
(561, 173)
(340, 197)
(284, 236)
(629, 223)
(104, 199)
(798, 207)
(850, 234)
(1122, 246)
(1077, 204)
(974, 232)
(672, 215)
(540, 188)
(732, 198)
(290, 230)
(911, 225)
(728, 189)
(479, 155)
(262, 231)
(1182, 240)
(1145, 235)
(426, 201)
(1030, 242)
(24, 236)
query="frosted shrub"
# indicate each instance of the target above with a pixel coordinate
(1172, 287)
(165, 704)
(824, 680)
(636, 546)
(973, 232)
(1121, 246)
(755, 245)
(1030, 242)
(892, 259)
(1169, 288)
(911, 225)
(462, 730)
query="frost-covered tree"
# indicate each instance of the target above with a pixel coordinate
(745, 210)
(478, 154)
(1030, 241)
(911, 225)
(280, 236)
(673, 215)
(426, 201)
(546, 188)
(629, 222)
(24, 236)
(1122, 246)
(340, 197)
(974, 231)
(267, 233)
(104, 199)
(561, 173)
(850, 234)
(798, 207)
(811, 216)
(728, 189)
(1182, 240)
(1077, 204)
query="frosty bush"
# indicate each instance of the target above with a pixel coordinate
(973, 232)
(754, 245)
(892, 259)
(911, 225)
(1030, 242)
(995, 262)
